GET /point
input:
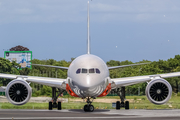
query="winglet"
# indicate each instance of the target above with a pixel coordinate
(88, 35)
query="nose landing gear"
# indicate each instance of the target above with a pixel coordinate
(88, 107)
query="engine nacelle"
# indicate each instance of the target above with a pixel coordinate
(18, 92)
(158, 91)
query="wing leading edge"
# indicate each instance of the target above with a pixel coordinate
(118, 82)
(52, 82)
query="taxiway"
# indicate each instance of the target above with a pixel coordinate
(96, 115)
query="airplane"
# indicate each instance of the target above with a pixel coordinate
(88, 78)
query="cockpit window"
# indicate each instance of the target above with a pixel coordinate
(97, 71)
(78, 71)
(84, 70)
(91, 70)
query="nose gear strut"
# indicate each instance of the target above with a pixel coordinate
(88, 107)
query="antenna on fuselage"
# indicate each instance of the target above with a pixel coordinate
(88, 42)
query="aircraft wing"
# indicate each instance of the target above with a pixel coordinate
(52, 82)
(118, 82)
(122, 66)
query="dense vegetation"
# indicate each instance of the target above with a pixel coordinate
(156, 67)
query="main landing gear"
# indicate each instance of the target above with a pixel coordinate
(54, 103)
(88, 107)
(122, 104)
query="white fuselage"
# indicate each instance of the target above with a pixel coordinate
(88, 76)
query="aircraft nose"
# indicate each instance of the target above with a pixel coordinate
(86, 82)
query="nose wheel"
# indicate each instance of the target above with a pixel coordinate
(88, 107)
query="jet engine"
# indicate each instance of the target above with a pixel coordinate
(158, 91)
(18, 92)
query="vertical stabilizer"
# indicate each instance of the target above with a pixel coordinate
(88, 42)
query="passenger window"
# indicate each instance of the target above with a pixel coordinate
(91, 70)
(97, 71)
(78, 71)
(84, 70)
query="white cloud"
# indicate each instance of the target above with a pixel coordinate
(142, 10)
(101, 10)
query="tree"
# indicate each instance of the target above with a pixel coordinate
(19, 48)
(7, 67)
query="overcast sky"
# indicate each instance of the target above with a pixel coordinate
(120, 29)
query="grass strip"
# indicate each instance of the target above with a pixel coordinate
(136, 102)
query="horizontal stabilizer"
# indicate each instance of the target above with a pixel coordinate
(122, 66)
(58, 67)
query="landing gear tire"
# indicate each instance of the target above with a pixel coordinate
(127, 105)
(50, 105)
(59, 106)
(91, 108)
(86, 108)
(118, 105)
(54, 103)
(121, 92)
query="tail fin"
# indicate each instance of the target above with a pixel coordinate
(88, 42)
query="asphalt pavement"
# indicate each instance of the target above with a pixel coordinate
(134, 114)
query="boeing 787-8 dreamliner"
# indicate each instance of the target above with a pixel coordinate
(88, 78)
